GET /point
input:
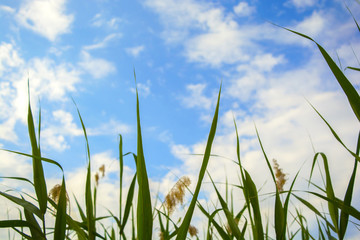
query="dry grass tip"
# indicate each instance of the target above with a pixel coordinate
(279, 175)
(176, 194)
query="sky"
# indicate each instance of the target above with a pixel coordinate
(181, 52)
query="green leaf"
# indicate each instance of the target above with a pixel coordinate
(38, 172)
(144, 209)
(349, 90)
(344, 217)
(60, 221)
(183, 229)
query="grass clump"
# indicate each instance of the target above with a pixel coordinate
(246, 223)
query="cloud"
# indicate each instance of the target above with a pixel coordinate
(112, 127)
(9, 58)
(48, 80)
(196, 98)
(96, 67)
(135, 51)
(209, 34)
(302, 3)
(104, 43)
(143, 88)
(45, 17)
(100, 21)
(243, 9)
(7, 9)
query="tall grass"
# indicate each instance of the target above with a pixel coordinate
(248, 221)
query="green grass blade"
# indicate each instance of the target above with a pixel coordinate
(245, 190)
(121, 166)
(187, 219)
(254, 201)
(81, 211)
(35, 230)
(344, 217)
(25, 204)
(229, 216)
(220, 230)
(38, 171)
(336, 135)
(88, 196)
(128, 204)
(60, 221)
(349, 90)
(14, 223)
(333, 210)
(35, 157)
(144, 209)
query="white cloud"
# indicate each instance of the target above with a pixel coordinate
(208, 33)
(96, 67)
(104, 43)
(312, 25)
(112, 127)
(135, 51)
(45, 17)
(9, 58)
(196, 98)
(143, 89)
(266, 62)
(243, 9)
(7, 9)
(100, 21)
(48, 80)
(303, 3)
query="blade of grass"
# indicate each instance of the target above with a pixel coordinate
(333, 210)
(230, 218)
(60, 221)
(88, 196)
(144, 210)
(38, 171)
(187, 219)
(344, 217)
(128, 204)
(349, 90)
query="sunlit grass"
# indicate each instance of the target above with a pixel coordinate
(140, 216)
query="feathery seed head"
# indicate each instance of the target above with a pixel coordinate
(176, 194)
(279, 175)
(193, 231)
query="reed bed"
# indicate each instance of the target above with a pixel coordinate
(139, 216)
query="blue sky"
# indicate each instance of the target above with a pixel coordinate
(181, 51)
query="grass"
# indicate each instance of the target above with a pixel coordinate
(247, 223)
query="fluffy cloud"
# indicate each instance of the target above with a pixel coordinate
(45, 17)
(104, 42)
(196, 97)
(96, 67)
(243, 9)
(135, 51)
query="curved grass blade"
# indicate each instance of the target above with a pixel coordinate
(344, 217)
(38, 171)
(254, 201)
(121, 166)
(336, 135)
(333, 210)
(220, 230)
(186, 222)
(25, 204)
(128, 204)
(349, 90)
(144, 210)
(229, 216)
(35, 231)
(60, 222)
(88, 196)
